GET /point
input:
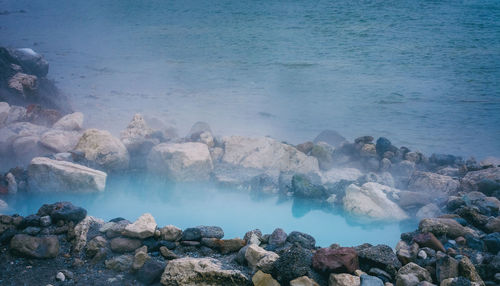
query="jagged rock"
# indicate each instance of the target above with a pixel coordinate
(372, 200)
(379, 256)
(25, 84)
(440, 226)
(467, 270)
(171, 233)
(4, 113)
(104, 150)
(200, 271)
(407, 274)
(278, 237)
(70, 122)
(259, 258)
(142, 228)
(263, 279)
(181, 162)
(64, 211)
(446, 267)
(151, 271)
(95, 245)
(139, 138)
(253, 237)
(427, 239)
(303, 281)
(405, 252)
(433, 183)
(338, 260)
(167, 253)
(343, 280)
(36, 247)
(140, 257)
(303, 239)
(292, 263)
(302, 187)
(81, 230)
(211, 231)
(30, 61)
(324, 153)
(65, 176)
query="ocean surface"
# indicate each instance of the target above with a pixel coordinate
(425, 74)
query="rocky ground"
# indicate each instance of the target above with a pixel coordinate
(457, 201)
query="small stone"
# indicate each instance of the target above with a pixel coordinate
(192, 234)
(120, 263)
(429, 240)
(211, 231)
(60, 276)
(150, 272)
(140, 257)
(422, 254)
(142, 228)
(260, 259)
(263, 279)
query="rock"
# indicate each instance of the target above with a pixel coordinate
(138, 138)
(64, 211)
(441, 226)
(383, 145)
(81, 230)
(140, 257)
(492, 242)
(303, 239)
(168, 254)
(343, 280)
(60, 141)
(303, 281)
(200, 271)
(253, 237)
(331, 137)
(302, 187)
(427, 239)
(123, 244)
(197, 129)
(142, 228)
(324, 153)
(60, 276)
(211, 231)
(405, 252)
(422, 254)
(31, 230)
(121, 263)
(191, 234)
(292, 263)
(150, 272)
(305, 147)
(472, 180)
(278, 237)
(407, 274)
(181, 162)
(467, 270)
(338, 260)
(226, 246)
(30, 61)
(372, 200)
(337, 175)
(446, 267)
(260, 259)
(36, 247)
(379, 256)
(104, 150)
(70, 122)
(171, 233)
(65, 176)
(367, 280)
(433, 183)
(428, 211)
(16, 114)
(95, 244)
(115, 229)
(263, 279)
(11, 184)
(45, 221)
(493, 225)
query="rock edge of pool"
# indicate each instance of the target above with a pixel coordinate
(45, 148)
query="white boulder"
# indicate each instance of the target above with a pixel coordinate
(70, 122)
(60, 140)
(142, 228)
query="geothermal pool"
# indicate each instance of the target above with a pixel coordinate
(236, 211)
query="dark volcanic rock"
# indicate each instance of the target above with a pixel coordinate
(63, 211)
(36, 247)
(339, 260)
(384, 145)
(210, 232)
(292, 263)
(302, 187)
(151, 271)
(303, 239)
(31, 62)
(278, 237)
(192, 234)
(379, 256)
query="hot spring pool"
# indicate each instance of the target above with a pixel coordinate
(236, 211)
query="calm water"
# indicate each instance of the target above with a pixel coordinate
(424, 73)
(235, 211)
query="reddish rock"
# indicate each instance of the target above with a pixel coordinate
(339, 260)
(230, 245)
(429, 240)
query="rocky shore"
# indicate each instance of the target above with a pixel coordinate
(46, 148)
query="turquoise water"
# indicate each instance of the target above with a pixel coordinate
(424, 73)
(236, 211)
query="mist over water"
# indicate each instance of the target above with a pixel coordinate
(425, 74)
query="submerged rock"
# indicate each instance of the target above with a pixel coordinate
(181, 162)
(64, 176)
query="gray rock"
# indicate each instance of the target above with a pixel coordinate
(438, 185)
(278, 237)
(151, 271)
(143, 227)
(303, 239)
(446, 267)
(380, 256)
(70, 122)
(120, 263)
(36, 247)
(211, 231)
(367, 280)
(31, 61)
(122, 244)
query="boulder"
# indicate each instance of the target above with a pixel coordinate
(433, 183)
(64, 176)
(70, 122)
(409, 199)
(200, 271)
(170, 233)
(123, 244)
(372, 200)
(471, 181)
(343, 279)
(277, 238)
(191, 234)
(338, 260)
(181, 162)
(64, 211)
(303, 239)
(260, 259)
(446, 267)
(104, 150)
(122, 263)
(253, 237)
(302, 187)
(331, 137)
(142, 228)
(81, 230)
(138, 138)
(441, 226)
(60, 141)
(407, 274)
(303, 281)
(379, 256)
(31, 61)
(292, 263)
(35, 247)
(263, 279)
(151, 271)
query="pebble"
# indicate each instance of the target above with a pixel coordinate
(422, 254)
(60, 276)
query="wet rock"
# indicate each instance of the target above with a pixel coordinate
(142, 228)
(339, 260)
(150, 272)
(324, 153)
(303, 281)
(181, 162)
(65, 176)
(122, 244)
(405, 252)
(36, 247)
(343, 280)
(372, 200)
(331, 137)
(303, 239)
(207, 271)
(259, 258)
(433, 183)
(380, 256)
(443, 226)
(411, 273)
(473, 216)
(446, 267)
(292, 263)
(302, 187)
(383, 145)
(367, 280)
(104, 150)
(171, 233)
(427, 239)
(121, 263)
(263, 279)
(277, 238)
